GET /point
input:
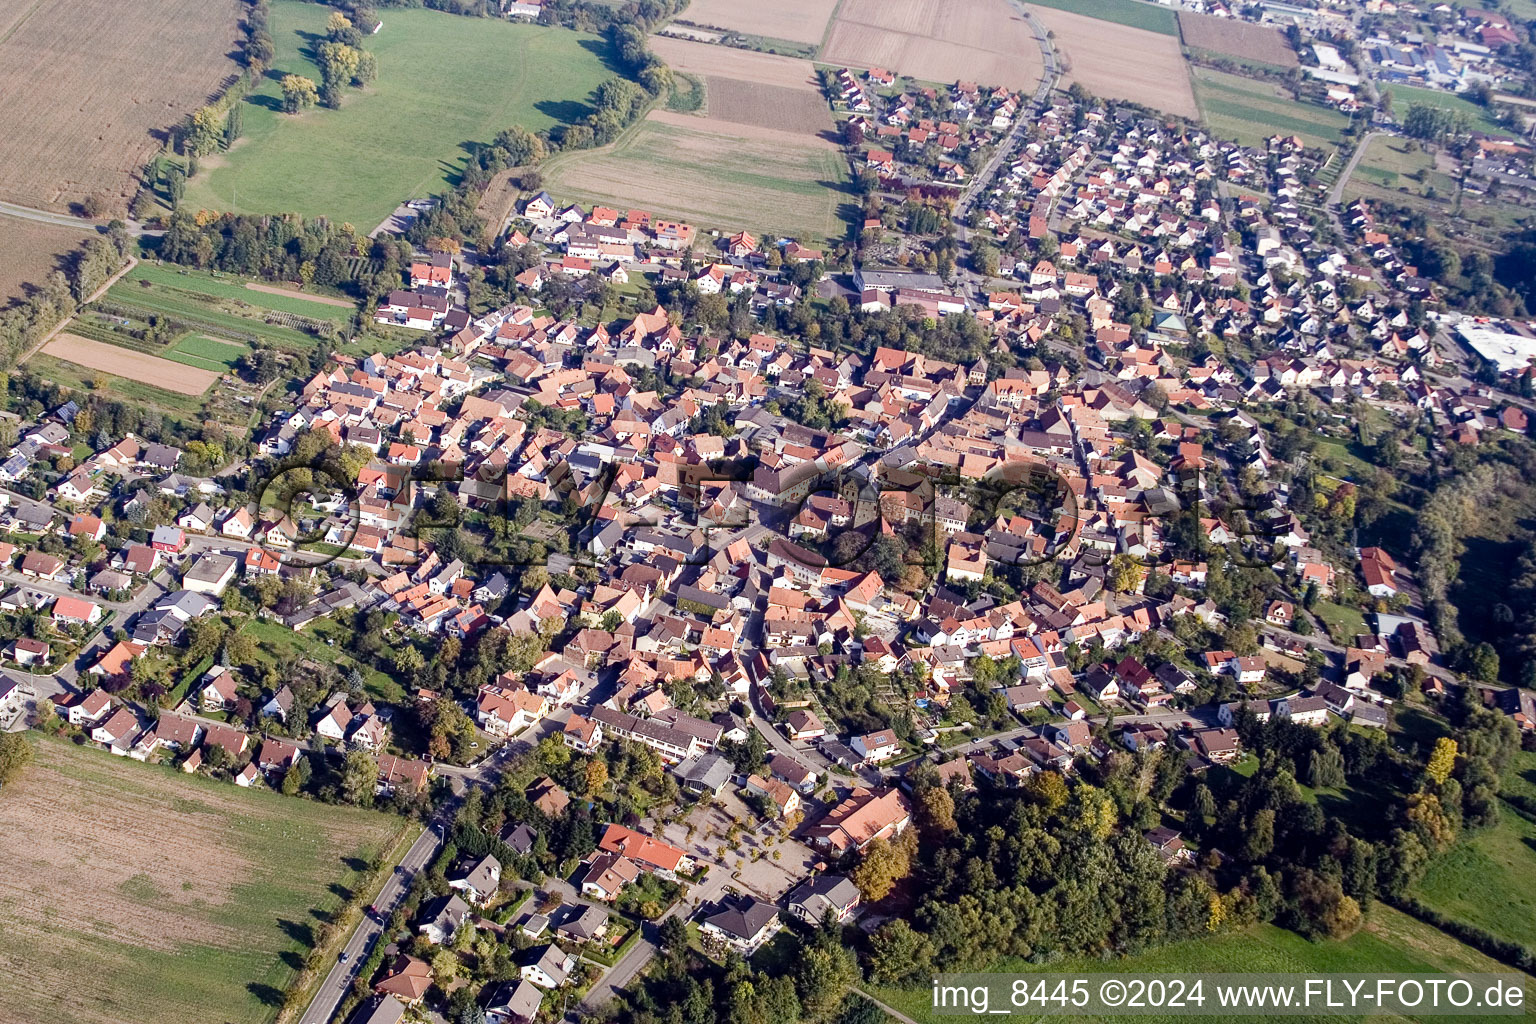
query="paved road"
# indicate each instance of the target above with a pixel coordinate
(336, 984)
(63, 220)
(1025, 120)
(1160, 717)
(1337, 195)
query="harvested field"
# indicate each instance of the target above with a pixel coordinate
(174, 898)
(88, 89)
(123, 362)
(1121, 63)
(1233, 38)
(766, 106)
(30, 251)
(727, 62)
(715, 175)
(982, 41)
(801, 21)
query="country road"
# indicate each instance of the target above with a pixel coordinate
(1337, 195)
(1048, 76)
(334, 988)
(64, 220)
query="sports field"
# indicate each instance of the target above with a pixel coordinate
(715, 175)
(446, 83)
(1131, 13)
(89, 88)
(1390, 943)
(134, 892)
(1250, 111)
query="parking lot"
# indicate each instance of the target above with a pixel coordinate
(733, 865)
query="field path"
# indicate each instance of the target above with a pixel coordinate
(272, 289)
(98, 293)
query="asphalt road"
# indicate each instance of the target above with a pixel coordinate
(336, 984)
(1337, 195)
(64, 220)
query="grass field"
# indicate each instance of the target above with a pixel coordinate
(445, 84)
(232, 289)
(138, 893)
(1485, 880)
(1342, 621)
(1133, 13)
(1392, 163)
(1404, 96)
(1250, 111)
(715, 175)
(206, 353)
(219, 307)
(1391, 942)
(276, 642)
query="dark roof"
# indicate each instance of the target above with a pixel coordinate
(745, 920)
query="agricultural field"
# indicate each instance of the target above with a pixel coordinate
(1115, 61)
(30, 251)
(714, 175)
(1249, 111)
(1485, 880)
(155, 371)
(708, 61)
(1241, 39)
(131, 887)
(1390, 943)
(799, 21)
(1130, 13)
(742, 87)
(406, 135)
(88, 89)
(981, 41)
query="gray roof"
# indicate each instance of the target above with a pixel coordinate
(822, 893)
(520, 1001)
(586, 924)
(388, 1010)
(710, 771)
(520, 837)
(210, 568)
(481, 876)
(744, 921)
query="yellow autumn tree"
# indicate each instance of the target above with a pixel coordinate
(1442, 760)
